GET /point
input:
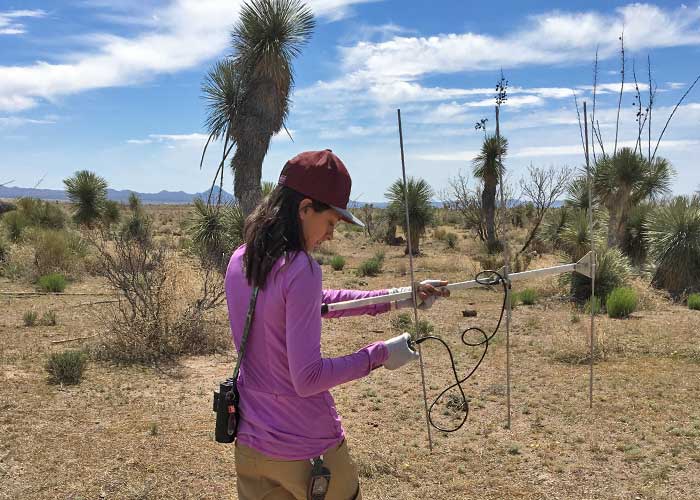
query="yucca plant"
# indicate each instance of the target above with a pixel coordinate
(88, 193)
(673, 233)
(613, 270)
(577, 194)
(267, 187)
(634, 244)
(488, 167)
(216, 231)
(110, 213)
(249, 93)
(624, 180)
(420, 209)
(574, 237)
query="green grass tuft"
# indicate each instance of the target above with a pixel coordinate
(621, 302)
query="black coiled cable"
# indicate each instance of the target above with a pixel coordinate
(494, 279)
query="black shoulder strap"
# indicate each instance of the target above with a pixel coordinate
(246, 330)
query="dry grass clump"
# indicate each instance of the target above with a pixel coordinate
(575, 349)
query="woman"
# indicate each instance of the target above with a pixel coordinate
(288, 417)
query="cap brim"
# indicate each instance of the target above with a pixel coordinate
(347, 216)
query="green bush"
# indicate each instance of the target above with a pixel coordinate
(15, 222)
(402, 322)
(53, 282)
(4, 250)
(370, 267)
(528, 296)
(451, 240)
(338, 262)
(621, 302)
(694, 301)
(30, 318)
(66, 367)
(42, 214)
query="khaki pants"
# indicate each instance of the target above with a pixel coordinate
(260, 477)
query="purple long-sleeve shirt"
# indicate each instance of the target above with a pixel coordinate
(286, 409)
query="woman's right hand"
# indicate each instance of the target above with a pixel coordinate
(399, 352)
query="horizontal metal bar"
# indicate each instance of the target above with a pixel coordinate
(582, 266)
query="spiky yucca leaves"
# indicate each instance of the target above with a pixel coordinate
(111, 213)
(488, 167)
(613, 270)
(673, 233)
(634, 244)
(249, 94)
(216, 232)
(420, 210)
(574, 237)
(88, 193)
(552, 227)
(624, 180)
(267, 187)
(577, 194)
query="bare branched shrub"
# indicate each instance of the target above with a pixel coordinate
(156, 319)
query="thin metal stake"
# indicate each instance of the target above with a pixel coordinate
(413, 283)
(506, 258)
(593, 259)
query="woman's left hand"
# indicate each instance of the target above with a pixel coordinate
(428, 292)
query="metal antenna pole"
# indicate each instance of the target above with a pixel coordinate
(506, 258)
(592, 253)
(413, 283)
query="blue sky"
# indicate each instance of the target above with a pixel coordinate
(115, 87)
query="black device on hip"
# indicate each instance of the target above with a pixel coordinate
(226, 402)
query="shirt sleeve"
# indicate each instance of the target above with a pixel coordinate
(309, 371)
(332, 296)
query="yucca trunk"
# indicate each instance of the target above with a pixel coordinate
(247, 167)
(488, 204)
(415, 242)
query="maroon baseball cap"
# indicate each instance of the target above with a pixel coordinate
(322, 176)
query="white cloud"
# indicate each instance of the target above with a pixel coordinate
(189, 33)
(9, 25)
(16, 121)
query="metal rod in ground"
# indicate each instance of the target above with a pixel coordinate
(506, 258)
(413, 282)
(592, 260)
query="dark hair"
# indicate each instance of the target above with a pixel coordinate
(272, 230)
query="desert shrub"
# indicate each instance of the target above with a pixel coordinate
(15, 222)
(370, 267)
(87, 191)
(53, 282)
(451, 240)
(528, 296)
(576, 349)
(379, 256)
(66, 367)
(337, 262)
(439, 234)
(694, 301)
(58, 251)
(621, 302)
(41, 213)
(49, 318)
(422, 328)
(161, 315)
(612, 271)
(29, 318)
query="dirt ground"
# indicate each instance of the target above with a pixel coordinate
(142, 433)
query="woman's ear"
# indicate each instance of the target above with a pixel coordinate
(304, 207)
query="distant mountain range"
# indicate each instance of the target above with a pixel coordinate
(168, 197)
(162, 197)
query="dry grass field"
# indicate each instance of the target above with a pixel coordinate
(145, 433)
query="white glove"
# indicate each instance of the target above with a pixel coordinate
(399, 352)
(425, 303)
